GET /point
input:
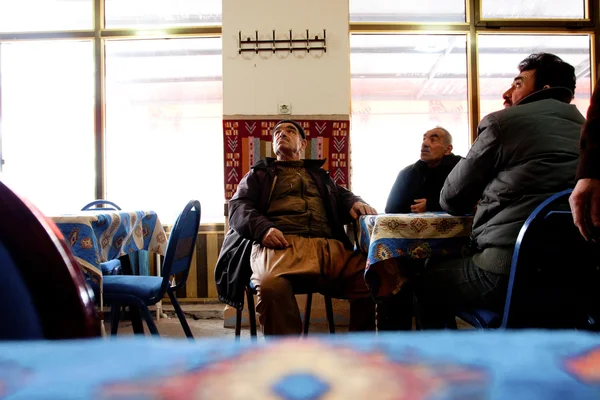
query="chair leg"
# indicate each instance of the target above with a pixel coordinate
(115, 311)
(136, 320)
(251, 314)
(238, 319)
(180, 314)
(148, 318)
(307, 313)
(329, 311)
(238, 324)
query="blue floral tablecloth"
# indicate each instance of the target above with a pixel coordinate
(97, 236)
(447, 365)
(386, 237)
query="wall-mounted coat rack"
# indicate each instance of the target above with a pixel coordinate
(305, 44)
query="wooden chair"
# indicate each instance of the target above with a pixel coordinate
(46, 288)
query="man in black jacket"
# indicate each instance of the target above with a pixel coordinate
(287, 222)
(416, 190)
(417, 187)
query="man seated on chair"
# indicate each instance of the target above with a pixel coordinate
(417, 187)
(294, 214)
(416, 190)
(522, 155)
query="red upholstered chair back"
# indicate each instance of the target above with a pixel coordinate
(46, 270)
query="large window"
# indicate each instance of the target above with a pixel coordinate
(163, 125)
(402, 86)
(533, 9)
(46, 15)
(129, 111)
(416, 65)
(47, 115)
(162, 13)
(407, 11)
(499, 56)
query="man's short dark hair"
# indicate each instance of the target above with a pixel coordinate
(550, 70)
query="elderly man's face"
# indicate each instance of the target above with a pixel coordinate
(434, 147)
(287, 142)
(522, 86)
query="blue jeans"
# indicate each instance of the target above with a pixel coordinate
(447, 284)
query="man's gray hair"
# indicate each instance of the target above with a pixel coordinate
(447, 135)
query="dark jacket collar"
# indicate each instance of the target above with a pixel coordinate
(557, 93)
(449, 159)
(270, 161)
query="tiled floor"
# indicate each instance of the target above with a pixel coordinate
(206, 320)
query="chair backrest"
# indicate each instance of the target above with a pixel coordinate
(554, 270)
(106, 205)
(180, 248)
(48, 280)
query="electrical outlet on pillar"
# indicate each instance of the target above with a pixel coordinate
(284, 108)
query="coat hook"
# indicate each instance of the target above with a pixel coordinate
(307, 42)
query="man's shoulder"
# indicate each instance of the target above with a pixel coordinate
(263, 163)
(533, 109)
(450, 160)
(317, 164)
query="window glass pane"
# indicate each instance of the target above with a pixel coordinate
(47, 114)
(164, 131)
(533, 9)
(45, 15)
(407, 11)
(402, 86)
(500, 55)
(161, 13)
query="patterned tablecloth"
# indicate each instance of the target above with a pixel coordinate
(417, 236)
(445, 365)
(101, 235)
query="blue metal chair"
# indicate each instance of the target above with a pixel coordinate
(111, 267)
(553, 277)
(105, 204)
(143, 291)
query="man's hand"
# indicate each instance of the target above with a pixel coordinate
(274, 239)
(585, 205)
(359, 208)
(420, 206)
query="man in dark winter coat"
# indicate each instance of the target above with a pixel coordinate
(523, 154)
(417, 187)
(287, 222)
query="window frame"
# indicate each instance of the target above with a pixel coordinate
(475, 26)
(100, 34)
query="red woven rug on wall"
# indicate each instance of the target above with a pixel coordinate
(247, 141)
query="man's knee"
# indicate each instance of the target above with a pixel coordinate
(272, 287)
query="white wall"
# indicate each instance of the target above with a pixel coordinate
(315, 83)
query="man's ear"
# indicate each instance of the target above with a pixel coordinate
(448, 150)
(303, 144)
(546, 87)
